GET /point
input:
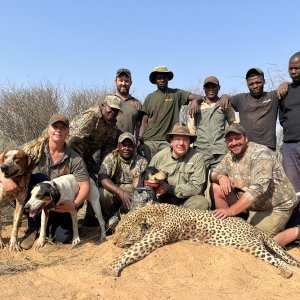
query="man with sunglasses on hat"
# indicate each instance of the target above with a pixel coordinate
(185, 169)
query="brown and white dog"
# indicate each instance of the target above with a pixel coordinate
(46, 195)
(17, 166)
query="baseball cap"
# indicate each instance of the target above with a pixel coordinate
(126, 135)
(123, 70)
(113, 101)
(211, 79)
(254, 71)
(236, 128)
(59, 118)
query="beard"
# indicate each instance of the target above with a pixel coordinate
(123, 90)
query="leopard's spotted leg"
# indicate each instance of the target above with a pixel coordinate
(151, 241)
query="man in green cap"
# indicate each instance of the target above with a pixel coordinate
(161, 111)
(118, 175)
(95, 131)
(185, 169)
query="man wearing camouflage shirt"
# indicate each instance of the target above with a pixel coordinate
(118, 175)
(92, 135)
(94, 130)
(251, 177)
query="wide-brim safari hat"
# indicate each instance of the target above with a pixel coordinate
(160, 69)
(181, 129)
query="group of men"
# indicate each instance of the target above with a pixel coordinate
(118, 139)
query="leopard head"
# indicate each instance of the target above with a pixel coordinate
(130, 231)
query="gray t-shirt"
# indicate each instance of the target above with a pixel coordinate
(258, 116)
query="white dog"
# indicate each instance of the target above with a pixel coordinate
(46, 195)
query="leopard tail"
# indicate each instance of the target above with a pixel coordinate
(279, 251)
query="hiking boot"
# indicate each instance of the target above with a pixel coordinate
(29, 238)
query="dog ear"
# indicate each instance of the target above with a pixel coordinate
(29, 160)
(55, 194)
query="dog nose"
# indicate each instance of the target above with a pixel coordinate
(26, 207)
(3, 167)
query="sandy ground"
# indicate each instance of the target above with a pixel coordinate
(183, 270)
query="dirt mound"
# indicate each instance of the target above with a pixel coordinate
(183, 270)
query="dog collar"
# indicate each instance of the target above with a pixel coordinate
(152, 184)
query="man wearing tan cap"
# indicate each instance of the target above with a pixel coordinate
(209, 124)
(95, 131)
(53, 157)
(131, 118)
(118, 174)
(251, 178)
(185, 169)
(161, 110)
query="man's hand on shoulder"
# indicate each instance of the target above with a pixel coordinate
(224, 101)
(282, 90)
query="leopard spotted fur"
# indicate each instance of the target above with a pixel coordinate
(151, 227)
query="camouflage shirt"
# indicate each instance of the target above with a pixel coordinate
(260, 175)
(89, 133)
(122, 172)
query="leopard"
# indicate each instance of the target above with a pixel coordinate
(146, 229)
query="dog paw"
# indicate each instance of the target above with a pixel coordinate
(14, 246)
(103, 238)
(39, 243)
(76, 241)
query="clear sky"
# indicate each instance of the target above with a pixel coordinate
(83, 42)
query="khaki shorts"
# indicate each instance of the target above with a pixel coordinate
(269, 221)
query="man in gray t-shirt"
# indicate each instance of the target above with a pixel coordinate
(257, 109)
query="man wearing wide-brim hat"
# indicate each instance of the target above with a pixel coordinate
(161, 110)
(185, 168)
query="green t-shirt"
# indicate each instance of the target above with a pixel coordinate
(163, 112)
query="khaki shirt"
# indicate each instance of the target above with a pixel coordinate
(260, 175)
(122, 172)
(71, 163)
(186, 176)
(209, 126)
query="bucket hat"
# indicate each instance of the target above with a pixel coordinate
(181, 129)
